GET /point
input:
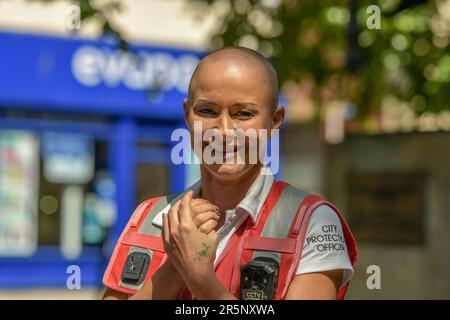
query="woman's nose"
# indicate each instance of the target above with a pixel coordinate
(224, 123)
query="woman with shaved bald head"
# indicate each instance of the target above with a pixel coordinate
(237, 233)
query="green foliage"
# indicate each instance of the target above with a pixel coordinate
(310, 39)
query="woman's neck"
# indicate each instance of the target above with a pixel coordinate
(226, 194)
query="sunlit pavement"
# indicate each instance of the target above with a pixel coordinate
(51, 294)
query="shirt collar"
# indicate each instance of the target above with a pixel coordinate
(251, 204)
(257, 194)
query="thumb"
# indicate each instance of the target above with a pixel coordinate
(184, 211)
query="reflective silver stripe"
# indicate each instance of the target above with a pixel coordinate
(147, 227)
(281, 218)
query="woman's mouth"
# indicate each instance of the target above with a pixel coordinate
(226, 152)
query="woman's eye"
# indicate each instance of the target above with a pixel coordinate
(245, 114)
(207, 111)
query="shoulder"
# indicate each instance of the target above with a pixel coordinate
(324, 215)
(325, 246)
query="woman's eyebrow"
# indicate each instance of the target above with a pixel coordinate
(245, 104)
(236, 104)
(205, 101)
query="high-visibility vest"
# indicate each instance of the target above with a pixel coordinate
(278, 233)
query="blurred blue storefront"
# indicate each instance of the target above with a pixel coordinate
(84, 137)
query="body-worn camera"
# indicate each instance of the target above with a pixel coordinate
(136, 268)
(259, 279)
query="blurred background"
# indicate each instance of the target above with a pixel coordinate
(90, 92)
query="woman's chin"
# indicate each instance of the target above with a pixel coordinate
(228, 171)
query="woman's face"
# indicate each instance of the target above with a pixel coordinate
(225, 96)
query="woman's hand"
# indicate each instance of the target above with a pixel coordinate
(191, 251)
(204, 214)
(166, 283)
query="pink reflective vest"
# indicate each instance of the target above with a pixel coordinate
(278, 233)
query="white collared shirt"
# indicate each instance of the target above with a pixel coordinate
(324, 248)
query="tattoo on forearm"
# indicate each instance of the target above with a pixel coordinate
(202, 252)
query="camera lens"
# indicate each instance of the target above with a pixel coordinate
(255, 279)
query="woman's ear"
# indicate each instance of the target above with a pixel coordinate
(186, 111)
(278, 117)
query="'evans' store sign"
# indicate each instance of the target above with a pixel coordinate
(93, 66)
(64, 74)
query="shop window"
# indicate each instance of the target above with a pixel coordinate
(19, 181)
(43, 203)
